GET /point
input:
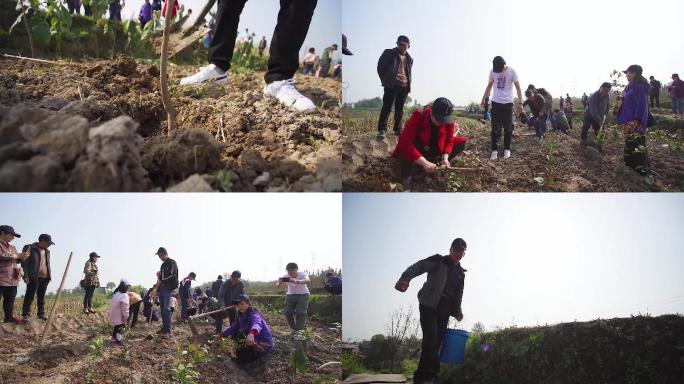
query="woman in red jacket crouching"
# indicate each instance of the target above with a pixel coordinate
(428, 138)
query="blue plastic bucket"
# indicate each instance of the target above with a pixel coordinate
(453, 346)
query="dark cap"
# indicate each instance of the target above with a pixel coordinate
(219, 277)
(161, 250)
(93, 254)
(460, 243)
(634, 68)
(403, 39)
(46, 237)
(9, 229)
(193, 275)
(345, 50)
(236, 274)
(443, 110)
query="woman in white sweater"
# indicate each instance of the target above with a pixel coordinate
(118, 311)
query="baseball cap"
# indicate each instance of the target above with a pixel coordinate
(93, 254)
(403, 39)
(126, 282)
(9, 229)
(46, 237)
(443, 110)
(161, 250)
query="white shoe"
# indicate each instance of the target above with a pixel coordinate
(495, 154)
(285, 91)
(208, 74)
(507, 154)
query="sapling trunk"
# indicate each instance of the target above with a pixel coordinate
(163, 74)
(28, 30)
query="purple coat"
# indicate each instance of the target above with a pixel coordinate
(145, 14)
(253, 321)
(635, 105)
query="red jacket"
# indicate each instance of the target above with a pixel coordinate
(418, 128)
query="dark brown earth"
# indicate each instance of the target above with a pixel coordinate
(557, 163)
(231, 138)
(67, 356)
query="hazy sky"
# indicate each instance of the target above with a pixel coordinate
(206, 233)
(567, 47)
(531, 259)
(260, 16)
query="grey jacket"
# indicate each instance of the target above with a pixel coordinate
(437, 269)
(228, 294)
(32, 263)
(598, 107)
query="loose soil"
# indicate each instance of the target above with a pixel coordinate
(63, 124)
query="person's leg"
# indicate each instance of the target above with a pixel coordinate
(232, 315)
(651, 99)
(184, 308)
(218, 321)
(399, 101)
(497, 124)
(30, 294)
(291, 29)
(325, 69)
(301, 310)
(42, 288)
(135, 309)
(387, 100)
(507, 122)
(165, 303)
(289, 310)
(586, 123)
(429, 345)
(657, 100)
(678, 102)
(226, 30)
(8, 295)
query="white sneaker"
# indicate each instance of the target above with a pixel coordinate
(285, 91)
(507, 154)
(495, 154)
(210, 73)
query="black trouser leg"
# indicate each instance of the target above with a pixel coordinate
(40, 293)
(30, 294)
(502, 118)
(433, 324)
(88, 297)
(388, 96)
(8, 294)
(294, 19)
(232, 315)
(586, 124)
(657, 100)
(399, 101)
(218, 321)
(117, 329)
(651, 99)
(226, 30)
(133, 311)
(635, 155)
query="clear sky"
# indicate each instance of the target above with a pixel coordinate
(260, 16)
(531, 259)
(206, 233)
(567, 47)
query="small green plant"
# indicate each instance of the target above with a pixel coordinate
(184, 373)
(225, 179)
(97, 348)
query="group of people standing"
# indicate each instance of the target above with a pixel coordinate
(315, 65)
(32, 266)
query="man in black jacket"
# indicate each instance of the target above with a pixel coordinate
(439, 298)
(37, 276)
(228, 295)
(168, 281)
(394, 70)
(216, 285)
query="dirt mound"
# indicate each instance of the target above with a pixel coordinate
(556, 163)
(52, 151)
(186, 152)
(633, 350)
(302, 152)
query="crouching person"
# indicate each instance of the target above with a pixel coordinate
(118, 311)
(251, 328)
(428, 139)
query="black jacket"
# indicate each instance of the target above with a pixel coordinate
(216, 286)
(388, 67)
(169, 274)
(437, 267)
(32, 263)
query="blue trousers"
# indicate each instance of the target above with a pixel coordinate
(165, 303)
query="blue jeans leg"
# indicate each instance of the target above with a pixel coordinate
(165, 302)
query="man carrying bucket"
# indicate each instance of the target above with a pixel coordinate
(439, 298)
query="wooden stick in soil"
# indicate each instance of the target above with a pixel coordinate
(54, 305)
(163, 74)
(33, 60)
(191, 318)
(28, 30)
